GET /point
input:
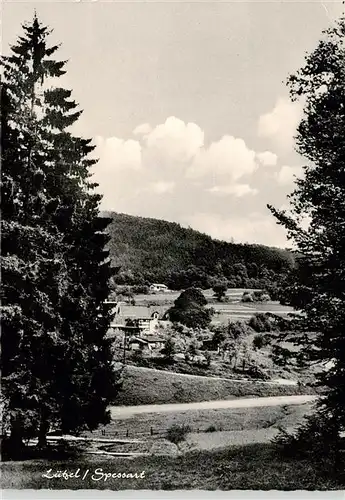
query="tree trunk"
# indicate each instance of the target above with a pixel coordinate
(15, 441)
(42, 434)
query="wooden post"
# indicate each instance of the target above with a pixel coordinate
(127, 433)
(151, 430)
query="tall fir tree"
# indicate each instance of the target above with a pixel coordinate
(49, 198)
(318, 288)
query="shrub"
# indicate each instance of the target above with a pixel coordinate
(169, 349)
(260, 296)
(137, 355)
(318, 440)
(177, 433)
(208, 358)
(220, 289)
(260, 323)
(237, 329)
(190, 309)
(260, 341)
(211, 428)
(218, 337)
(142, 289)
(255, 372)
(247, 297)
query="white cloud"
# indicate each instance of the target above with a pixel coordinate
(143, 129)
(287, 175)
(267, 158)
(228, 158)
(232, 189)
(280, 123)
(161, 187)
(116, 154)
(174, 141)
(139, 176)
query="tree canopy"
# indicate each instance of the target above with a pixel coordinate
(189, 309)
(156, 251)
(56, 363)
(316, 220)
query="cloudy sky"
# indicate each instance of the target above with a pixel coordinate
(186, 102)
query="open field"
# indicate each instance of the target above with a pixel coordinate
(232, 293)
(225, 311)
(143, 425)
(234, 310)
(143, 386)
(251, 467)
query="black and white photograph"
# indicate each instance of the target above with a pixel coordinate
(172, 246)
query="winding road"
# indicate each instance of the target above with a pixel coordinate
(121, 412)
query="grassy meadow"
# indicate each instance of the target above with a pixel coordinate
(251, 467)
(143, 386)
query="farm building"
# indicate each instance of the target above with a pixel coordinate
(150, 343)
(158, 287)
(137, 320)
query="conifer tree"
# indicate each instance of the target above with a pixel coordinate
(319, 199)
(51, 218)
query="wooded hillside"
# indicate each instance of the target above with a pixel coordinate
(151, 250)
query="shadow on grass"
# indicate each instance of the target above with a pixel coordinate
(52, 452)
(252, 467)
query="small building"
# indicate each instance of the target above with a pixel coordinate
(158, 288)
(154, 342)
(135, 320)
(149, 343)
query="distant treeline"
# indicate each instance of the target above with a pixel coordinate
(156, 251)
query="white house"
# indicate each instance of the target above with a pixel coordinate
(139, 319)
(158, 288)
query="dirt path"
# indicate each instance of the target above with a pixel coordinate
(120, 412)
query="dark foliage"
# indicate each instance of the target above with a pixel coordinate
(318, 289)
(189, 309)
(56, 363)
(151, 251)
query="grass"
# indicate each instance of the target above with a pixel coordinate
(177, 433)
(144, 386)
(252, 467)
(225, 419)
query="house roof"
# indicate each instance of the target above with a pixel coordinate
(137, 340)
(140, 312)
(153, 338)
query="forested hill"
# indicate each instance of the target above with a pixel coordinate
(151, 250)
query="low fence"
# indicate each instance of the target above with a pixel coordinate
(148, 432)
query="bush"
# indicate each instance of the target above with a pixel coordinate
(177, 433)
(190, 309)
(260, 323)
(142, 289)
(211, 428)
(237, 329)
(255, 372)
(247, 297)
(208, 358)
(169, 349)
(261, 296)
(219, 290)
(318, 440)
(260, 341)
(137, 355)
